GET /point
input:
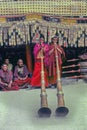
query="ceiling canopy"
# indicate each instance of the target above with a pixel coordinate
(51, 7)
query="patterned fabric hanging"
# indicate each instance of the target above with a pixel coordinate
(44, 32)
(80, 38)
(51, 33)
(35, 33)
(1, 40)
(5, 36)
(61, 36)
(23, 35)
(27, 32)
(81, 41)
(12, 36)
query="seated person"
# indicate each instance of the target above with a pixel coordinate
(6, 77)
(21, 75)
(10, 66)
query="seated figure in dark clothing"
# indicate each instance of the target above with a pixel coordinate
(21, 75)
(6, 78)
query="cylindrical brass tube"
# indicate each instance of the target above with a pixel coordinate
(61, 110)
(44, 111)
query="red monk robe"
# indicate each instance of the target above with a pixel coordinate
(52, 60)
(36, 78)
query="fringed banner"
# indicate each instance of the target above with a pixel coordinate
(44, 32)
(81, 37)
(35, 33)
(1, 40)
(51, 33)
(60, 33)
(15, 34)
(11, 37)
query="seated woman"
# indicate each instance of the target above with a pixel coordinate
(6, 77)
(10, 66)
(21, 75)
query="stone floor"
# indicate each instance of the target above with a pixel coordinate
(18, 110)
